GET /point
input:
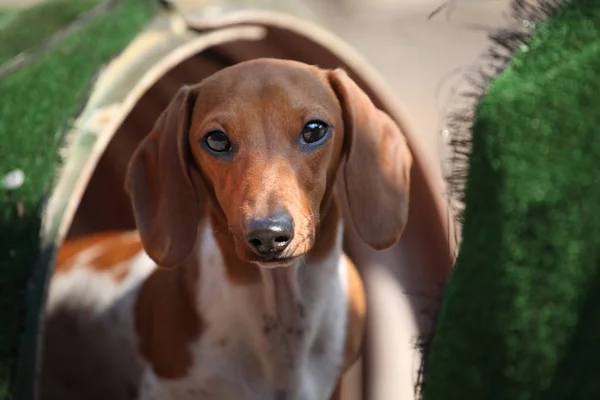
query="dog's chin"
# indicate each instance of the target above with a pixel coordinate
(277, 263)
(250, 257)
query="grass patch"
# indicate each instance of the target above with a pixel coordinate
(36, 104)
(23, 29)
(5, 14)
(520, 314)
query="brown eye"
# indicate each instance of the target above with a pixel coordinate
(217, 141)
(314, 131)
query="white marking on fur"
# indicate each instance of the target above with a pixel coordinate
(237, 358)
(101, 308)
(98, 289)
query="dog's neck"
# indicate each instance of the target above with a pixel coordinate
(280, 297)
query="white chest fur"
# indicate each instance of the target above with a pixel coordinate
(281, 338)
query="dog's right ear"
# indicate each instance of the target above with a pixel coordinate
(166, 205)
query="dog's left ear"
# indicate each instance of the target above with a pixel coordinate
(378, 163)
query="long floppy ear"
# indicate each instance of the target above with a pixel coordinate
(378, 163)
(165, 202)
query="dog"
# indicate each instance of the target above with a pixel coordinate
(235, 285)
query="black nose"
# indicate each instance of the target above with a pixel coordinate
(270, 236)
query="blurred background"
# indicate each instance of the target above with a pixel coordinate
(423, 48)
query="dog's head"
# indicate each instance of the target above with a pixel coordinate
(261, 142)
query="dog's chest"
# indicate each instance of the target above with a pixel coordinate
(231, 369)
(286, 345)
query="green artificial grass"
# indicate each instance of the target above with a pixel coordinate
(5, 14)
(36, 103)
(520, 318)
(28, 28)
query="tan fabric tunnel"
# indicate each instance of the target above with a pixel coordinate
(403, 283)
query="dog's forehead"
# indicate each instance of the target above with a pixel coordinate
(270, 80)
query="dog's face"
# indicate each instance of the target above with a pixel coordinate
(262, 141)
(268, 142)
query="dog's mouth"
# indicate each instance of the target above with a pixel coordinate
(276, 262)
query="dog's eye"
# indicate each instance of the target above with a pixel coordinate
(314, 131)
(217, 141)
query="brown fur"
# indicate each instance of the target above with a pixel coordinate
(115, 249)
(167, 320)
(172, 176)
(301, 178)
(174, 183)
(327, 234)
(377, 170)
(357, 312)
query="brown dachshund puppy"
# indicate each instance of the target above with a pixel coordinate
(235, 200)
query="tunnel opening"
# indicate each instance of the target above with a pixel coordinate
(425, 246)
